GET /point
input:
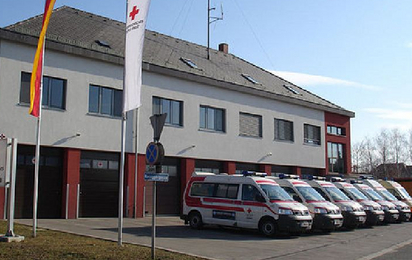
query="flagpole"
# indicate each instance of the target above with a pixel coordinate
(37, 153)
(136, 154)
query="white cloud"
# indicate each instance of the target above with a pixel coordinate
(302, 79)
(409, 45)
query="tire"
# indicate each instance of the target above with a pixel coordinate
(267, 227)
(195, 220)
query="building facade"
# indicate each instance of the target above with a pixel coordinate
(224, 115)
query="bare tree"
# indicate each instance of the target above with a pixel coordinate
(369, 154)
(382, 144)
(357, 154)
(398, 146)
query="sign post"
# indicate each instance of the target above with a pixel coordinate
(154, 157)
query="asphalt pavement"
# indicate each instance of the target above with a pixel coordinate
(381, 242)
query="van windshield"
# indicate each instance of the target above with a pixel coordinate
(387, 195)
(310, 193)
(336, 193)
(356, 194)
(373, 194)
(404, 193)
(275, 192)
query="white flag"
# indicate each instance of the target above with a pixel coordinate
(137, 11)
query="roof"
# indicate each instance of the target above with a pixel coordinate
(77, 32)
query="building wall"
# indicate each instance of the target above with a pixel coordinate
(59, 128)
(343, 122)
(228, 146)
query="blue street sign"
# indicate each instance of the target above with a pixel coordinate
(163, 177)
(154, 153)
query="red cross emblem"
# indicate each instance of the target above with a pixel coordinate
(134, 12)
(249, 210)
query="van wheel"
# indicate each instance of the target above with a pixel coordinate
(195, 220)
(267, 227)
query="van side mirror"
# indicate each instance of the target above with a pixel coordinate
(259, 197)
(296, 198)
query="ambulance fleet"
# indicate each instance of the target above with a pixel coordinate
(289, 204)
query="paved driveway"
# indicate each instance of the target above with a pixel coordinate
(217, 243)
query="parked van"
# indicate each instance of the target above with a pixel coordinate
(326, 216)
(244, 201)
(398, 191)
(391, 213)
(353, 213)
(403, 208)
(374, 212)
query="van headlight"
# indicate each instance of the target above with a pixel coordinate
(384, 207)
(283, 211)
(321, 211)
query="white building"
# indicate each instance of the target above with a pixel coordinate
(224, 115)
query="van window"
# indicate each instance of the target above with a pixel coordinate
(202, 189)
(218, 190)
(249, 192)
(227, 191)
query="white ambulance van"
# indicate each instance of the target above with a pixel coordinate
(374, 212)
(353, 213)
(403, 208)
(391, 213)
(326, 216)
(397, 190)
(244, 201)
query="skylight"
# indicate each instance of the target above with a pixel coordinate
(103, 43)
(294, 91)
(189, 63)
(248, 77)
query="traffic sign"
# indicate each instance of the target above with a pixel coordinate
(158, 121)
(162, 177)
(154, 153)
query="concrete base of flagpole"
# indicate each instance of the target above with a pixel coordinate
(14, 238)
(11, 239)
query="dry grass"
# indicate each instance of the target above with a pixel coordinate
(58, 245)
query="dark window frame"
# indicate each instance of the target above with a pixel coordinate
(336, 130)
(287, 137)
(116, 101)
(216, 127)
(336, 157)
(243, 133)
(310, 132)
(49, 98)
(158, 107)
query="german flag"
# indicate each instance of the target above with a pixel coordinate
(36, 75)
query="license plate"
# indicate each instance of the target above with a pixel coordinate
(338, 222)
(304, 224)
(362, 219)
(395, 216)
(381, 217)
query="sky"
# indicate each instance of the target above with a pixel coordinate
(354, 53)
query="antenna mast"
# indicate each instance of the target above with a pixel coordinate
(211, 20)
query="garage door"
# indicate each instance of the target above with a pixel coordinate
(99, 184)
(50, 183)
(168, 193)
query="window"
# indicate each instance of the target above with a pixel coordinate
(250, 78)
(283, 130)
(294, 91)
(53, 92)
(212, 118)
(173, 108)
(335, 130)
(218, 190)
(249, 192)
(336, 157)
(190, 63)
(250, 125)
(105, 101)
(312, 134)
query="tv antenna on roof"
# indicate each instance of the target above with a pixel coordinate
(210, 20)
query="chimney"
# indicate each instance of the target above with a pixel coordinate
(224, 47)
